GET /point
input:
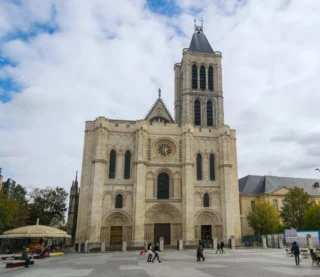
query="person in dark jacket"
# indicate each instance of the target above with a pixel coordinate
(296, 252)
(25, 256)
(200, 253)
(222, 246)
(156, 251)
(218, 248)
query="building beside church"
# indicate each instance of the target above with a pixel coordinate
(272, 189)
(164, 177)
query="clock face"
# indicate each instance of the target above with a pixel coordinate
(165, 149)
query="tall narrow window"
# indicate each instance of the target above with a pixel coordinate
(202, 77)
(253, 206)
(206, 202)
(275, 204)
(194, 77)
(163, 186)
(209, 114)
(197, 113)
(119, 199)
(112, 165)
(212, 171)
(127, 161)
(199, 167)
(210, 78)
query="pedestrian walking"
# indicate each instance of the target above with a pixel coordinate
(218, 248)
(25, 256)
(222, 247)
(296, 252)
(200, 253)
(149, 252)
(156, 253)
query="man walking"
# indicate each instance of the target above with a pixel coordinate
(156, 253)
(222, 246)
(296, 252)
(25, 256)
(218, 248)
(200, 253)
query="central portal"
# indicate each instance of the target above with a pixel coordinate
(162, 230)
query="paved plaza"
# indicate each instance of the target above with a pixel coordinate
(246, 262)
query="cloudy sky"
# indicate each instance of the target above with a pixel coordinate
(65, 62)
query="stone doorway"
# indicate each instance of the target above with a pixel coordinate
(162, 230)
(206, 232)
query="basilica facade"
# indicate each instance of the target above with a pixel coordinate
(164, 177)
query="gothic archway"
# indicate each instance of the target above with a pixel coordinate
(207, 224)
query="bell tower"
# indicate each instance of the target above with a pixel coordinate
(198, 84)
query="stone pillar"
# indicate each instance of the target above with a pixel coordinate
(264, 242)
(214, 242)
(145, 245)
(280, 241)
(161, 243)
(180, 244)
(124, 246)
(79, 247)
(139, 185)
(205, 166)
(232, 242)
(86, 247)
(120, 165)
(103, 247)
(309, 241)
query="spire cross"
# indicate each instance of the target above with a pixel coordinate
(198, 28)
(159, 93)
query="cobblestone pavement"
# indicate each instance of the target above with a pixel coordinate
(246, 262)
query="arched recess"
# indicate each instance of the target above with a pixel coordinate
(129, 200)
(209, 220)
(150, 187)
(163, 213)
(199, 166)
(206, 200)
(127, 165)
(107, 201)
(176, 190)
(197, 199)
(194, 77)
(210, 78)
(197, 113)
(215, 200)
(209, 114)
(116, 220)
(119, 201)
(163, 186)
(112, 164)
(155, 181)
(202, 77)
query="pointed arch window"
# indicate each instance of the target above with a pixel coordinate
(119, 200)
(212, 170)
(209, 114)
(202, 77)
(210, 78)
(112, 165)
(199, 167)
(163, 186)
(206, 201)
(194, 77)
(127, 163)
(197, 113)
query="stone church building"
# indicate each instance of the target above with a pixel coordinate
(164, 177)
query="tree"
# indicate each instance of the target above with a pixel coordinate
(311, 218)
(296, 203)
(49, 205)
(264, 219)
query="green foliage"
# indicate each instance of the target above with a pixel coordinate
(311, 218)
(296, 203)
(264, 219)
(49, 205)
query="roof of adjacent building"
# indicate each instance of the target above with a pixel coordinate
(200, 43)
(252, 184)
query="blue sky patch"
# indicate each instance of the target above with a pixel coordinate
(165, 7)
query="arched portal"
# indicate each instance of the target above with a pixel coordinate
(207, 225)
(163, 220)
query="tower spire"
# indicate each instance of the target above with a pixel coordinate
(159, 93)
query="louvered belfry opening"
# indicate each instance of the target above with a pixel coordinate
(212, 169)
(127, 165)
(112, 165)
(202, 77)
(197, 113)
(199, 167)
(194, 77)
(210, 78)
(209, 114)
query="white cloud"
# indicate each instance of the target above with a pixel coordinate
(108, 58)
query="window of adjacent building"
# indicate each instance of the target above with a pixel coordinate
(275, 204)
(210, 78)
(202, 77)
(253, 206)
(112, 165)
(212, 171)
(197, 113)
(127, 161)
(206, 201)
(119, 200)
(209, 114)
(163, 186)
(199, 167)
(194, 77)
